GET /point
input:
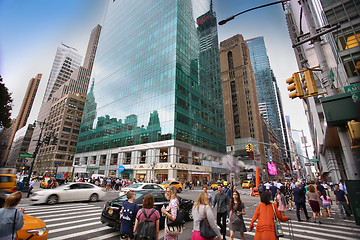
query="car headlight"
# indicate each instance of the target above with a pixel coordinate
(37, 232)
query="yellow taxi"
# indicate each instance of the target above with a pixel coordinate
(215, 185)
(7, 182)
(177, 184)
(247, 184)
(34, 229)
(45, 183)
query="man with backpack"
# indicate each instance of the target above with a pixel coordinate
(127, 217)
(147, 220)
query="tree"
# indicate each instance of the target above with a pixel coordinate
(5, 105)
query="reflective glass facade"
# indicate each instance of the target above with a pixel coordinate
(265, 88)
(154, 79)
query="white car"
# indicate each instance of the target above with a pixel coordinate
(140, 187)
(77, 191)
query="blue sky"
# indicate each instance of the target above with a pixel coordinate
(30, 32)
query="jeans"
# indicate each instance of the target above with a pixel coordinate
(303, 206)
(343, 206)
(222, 226)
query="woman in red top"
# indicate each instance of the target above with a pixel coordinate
(265, 228)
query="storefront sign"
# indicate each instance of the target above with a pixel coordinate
(121, 168)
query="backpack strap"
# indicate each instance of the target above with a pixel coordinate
(143, 211)
(152, 211)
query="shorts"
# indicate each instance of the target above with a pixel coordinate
(326, 205)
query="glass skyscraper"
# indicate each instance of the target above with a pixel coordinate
(266, 86)
(156, 104)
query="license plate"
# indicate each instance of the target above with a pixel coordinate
(110, 211)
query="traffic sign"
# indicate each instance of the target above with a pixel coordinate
(25, 160)
(26, 155)
(314, 160)
(308, 164)
(121, 168)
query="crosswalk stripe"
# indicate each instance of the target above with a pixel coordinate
(113, 234)
(76, 221)
(64, 214)
(311, 224)
(309, 229)
(56, 207)
(63, 210)
(35, 207)
(67, 218)
(73, 227)
(77, 234)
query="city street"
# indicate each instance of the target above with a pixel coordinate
(81, 220)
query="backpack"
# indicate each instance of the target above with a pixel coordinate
(146, 228)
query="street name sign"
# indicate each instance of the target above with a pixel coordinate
(26, 155)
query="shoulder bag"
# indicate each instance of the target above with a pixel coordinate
(205, 229)
(13, 231)
(278, 229)
(175, 227)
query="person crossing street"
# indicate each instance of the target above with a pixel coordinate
(222, 201)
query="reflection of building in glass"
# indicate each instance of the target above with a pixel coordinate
(158, 107)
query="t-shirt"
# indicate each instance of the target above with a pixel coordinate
(340, 195)
(128, 217)
(325, 201)
(141, 217)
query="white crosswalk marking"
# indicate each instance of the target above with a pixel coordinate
(82, 221)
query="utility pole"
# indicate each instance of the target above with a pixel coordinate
(351, 165)
(39, 142)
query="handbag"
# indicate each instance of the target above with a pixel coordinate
(205, 229)
(174, 227)
(278, 229)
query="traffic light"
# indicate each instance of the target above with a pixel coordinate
(249, 148)
(47, 140)
(354, 130)
(309, 84)
(54, 141)
(294, 87)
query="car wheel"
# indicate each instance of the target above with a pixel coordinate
(52, 199)
(94, 197)
(179, 190)
(190, 215)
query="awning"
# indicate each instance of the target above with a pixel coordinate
(199, 173)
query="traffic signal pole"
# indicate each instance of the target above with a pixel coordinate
(38, 144)
(351, 165)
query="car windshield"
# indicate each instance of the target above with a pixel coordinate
(136, 185)
(165, 183)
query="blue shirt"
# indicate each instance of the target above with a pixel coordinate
(129, 212)
(7, 216)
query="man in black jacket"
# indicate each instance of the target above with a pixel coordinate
(299, 199)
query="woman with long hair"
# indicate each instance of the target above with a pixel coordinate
(201, 205)
(148, 206)
(11, 218)
(237, 210)
(171, 210)
(314, 201)
(264, 213)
